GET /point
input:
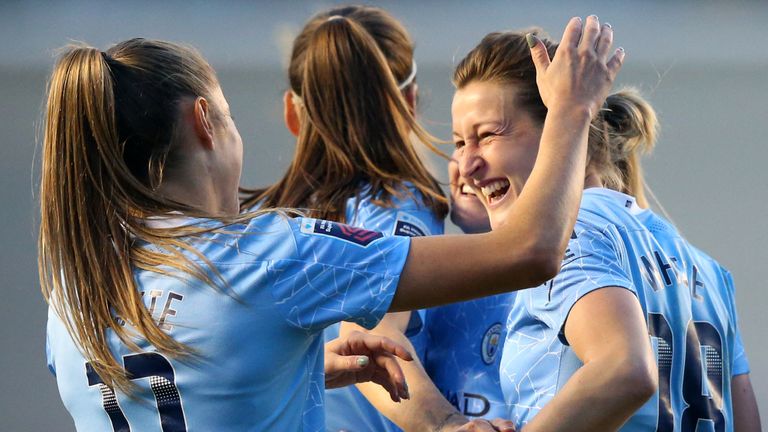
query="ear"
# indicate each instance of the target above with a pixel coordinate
(412, 96)
(202, 121)
(290, 114)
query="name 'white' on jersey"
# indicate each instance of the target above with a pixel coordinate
(688, 300)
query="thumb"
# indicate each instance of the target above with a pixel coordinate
(355, 362)
(539, 53)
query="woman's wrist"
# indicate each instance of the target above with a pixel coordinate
(570, 113)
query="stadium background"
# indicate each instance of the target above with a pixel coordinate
(702, 64)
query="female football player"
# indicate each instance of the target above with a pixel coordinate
(578, 354)
(355, 163)
(170, 310)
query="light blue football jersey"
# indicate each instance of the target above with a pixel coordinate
(260, 362)
(346, 408)
(688, 301)
(464, 353)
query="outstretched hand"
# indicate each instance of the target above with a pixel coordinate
(359, 357)
(583, 68)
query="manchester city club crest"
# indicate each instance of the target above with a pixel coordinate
(490, 345)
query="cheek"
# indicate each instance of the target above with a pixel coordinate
(519, 159)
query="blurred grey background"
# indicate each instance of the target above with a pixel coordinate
(703, 65)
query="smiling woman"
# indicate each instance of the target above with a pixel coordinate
(486, 116)
(581, 341)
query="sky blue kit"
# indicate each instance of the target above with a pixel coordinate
(346, 408)
(687, 299)
(259, 341)
(464, 353)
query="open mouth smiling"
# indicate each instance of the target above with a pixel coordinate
(495, 190)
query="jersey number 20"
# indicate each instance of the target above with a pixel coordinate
(705, 401)
(162, 381)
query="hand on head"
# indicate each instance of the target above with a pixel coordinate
(583, 69)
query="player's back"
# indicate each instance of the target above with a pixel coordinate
(258, 363)
(688, 301)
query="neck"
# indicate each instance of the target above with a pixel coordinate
(199, 192)
(592, 180)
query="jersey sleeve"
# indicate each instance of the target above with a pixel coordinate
(592, 261)
(416, 223)
(337, 273)
(408, 219)
(740, 365)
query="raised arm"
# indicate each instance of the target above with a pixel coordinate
(525, 249)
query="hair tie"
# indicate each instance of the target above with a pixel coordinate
(296, 99)
(334, 17)
(406, 82)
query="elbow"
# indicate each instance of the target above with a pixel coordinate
(639, 382)
(544, 257)
(543, 265)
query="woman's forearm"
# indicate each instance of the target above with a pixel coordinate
(427, 409)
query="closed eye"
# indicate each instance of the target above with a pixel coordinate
(459, 144)
(486, 135)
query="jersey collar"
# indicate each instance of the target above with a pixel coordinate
(172, 219)
(622, 199)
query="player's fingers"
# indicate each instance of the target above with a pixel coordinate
(380, 344)
(382, 378)
(395, 373)
(615, 63)
(336, 364)
(604, 41)
(357, 362)
(395, 348)
(571, 34)
(539, 53)
(503, 425)
(591, 31)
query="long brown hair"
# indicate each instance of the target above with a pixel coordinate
(625, 128)
(356, 125)
(110, 137)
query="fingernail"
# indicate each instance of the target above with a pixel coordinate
(406, 394)
(577, 19)
(608, 25)
(594, 17)
(531, 39)
(362, 361)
